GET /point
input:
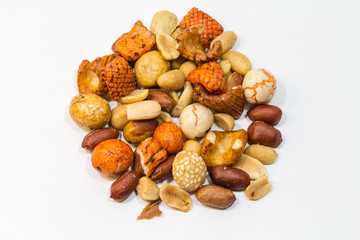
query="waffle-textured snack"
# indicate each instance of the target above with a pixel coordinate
(119, 77)
(196, 17)
(88, 78)
(135, 43)
(190, 46)
(210, 76)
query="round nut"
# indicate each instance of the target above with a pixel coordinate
(215, 196)
(136, 95)
(170, 137)
(189, 170)
(264, 154)
(163, 22)
(239, 62)
(224, 121)
(195, 120)
(259, 86)
(187, 67)
(192, 146)
(175, 197)
(138, 130)
(171, 80)
(119, 117)
(167, 46)
(112, 157)
(147, 189)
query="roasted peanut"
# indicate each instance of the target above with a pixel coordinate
(164, 117)
(184, 100)
(122, 188)
(239, 62)
(259, 188)
(163, 170)
(95, 137)
(167, 46)
(136, 95)
(266, 113)
(119, 117)
(143, 110)
(264, 154)
(225, 66)
(174, 95)
(232, 178)
(176, 63)
(166, 102)
(264, 134)
(138, 130)
(227, 39)
(147, 189)
(187, 67)
(215, 196)
(163, 22)
(224, 121)
(192, 146)
(251, 166)
(171, 80)
(175, 197)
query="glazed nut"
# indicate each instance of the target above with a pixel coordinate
(187, 67)
(239, 62)
(225, 66)
(232, 178)
(143, 110)
(95, 137)
(251, 166)
(169, 135)
(167, 46)
(192, 146)
(266, 113)
(189, 170)
(259, 86)
(264, 154)
(163, 170)
(184, 100)
(119, 117)
(175, 197)
(166, 102)
(136, 95)
(224, 121)
(147, 189)
(215, 196)
(171, 80)
(264, 134)
(259, 188)
(164, 117)
(122, 188)
(227, 39)
(138, 130)
(163, 22)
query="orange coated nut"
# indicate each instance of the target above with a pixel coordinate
(112, 157)
(170, 137)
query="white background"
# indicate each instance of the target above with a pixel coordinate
(48, 188)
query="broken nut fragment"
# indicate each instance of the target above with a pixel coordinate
(224, 121)
(167, 46)
(151, 210)
(251, 166)
(175, 197)
(223, 148)
(147, 189)
(259, 188)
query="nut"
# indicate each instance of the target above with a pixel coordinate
(112, 157)
(251, 166)
(167, 46)
(227, 39)
(223, 148)
(264, 154)
(171, 80)
(176, 63)
(164, 117)
(136, 95)
(163, 22)
(195, 120)
(192, 146)
(119, 117)
(122, 188)
(151, 210)
(187, 67)
(233, 80)
(264, 134)
(174, 95)
(166, 102)
(189, 170)
(176, 33)
(184, 100)
(266, 113)
(259, 188)
(147, 189)
(215, 196)
(138, 130)
(239, 62)
(143, 110)
(232, 178)
(163, 170)
(175, 197)
(225, 66)
(259, 86)
(136, 166)
(95, 137)
(224, 121)
(169, 135)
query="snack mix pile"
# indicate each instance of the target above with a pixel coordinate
(183, 70)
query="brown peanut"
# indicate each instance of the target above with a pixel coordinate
(122, 188)
(166, 102)
(163, 170)
(259, 188)
(215, 196)
(147, 189)
(266, 113)
(138, 130)
(175, 197)
(95, 137)
(232, 178)
(136, 165)
(264, 154)
(264, 134)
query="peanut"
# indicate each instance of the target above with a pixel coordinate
(264, 154)
(147, 189)
(259, 188)
(251, 166)
(175, 197)
(215, 196)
